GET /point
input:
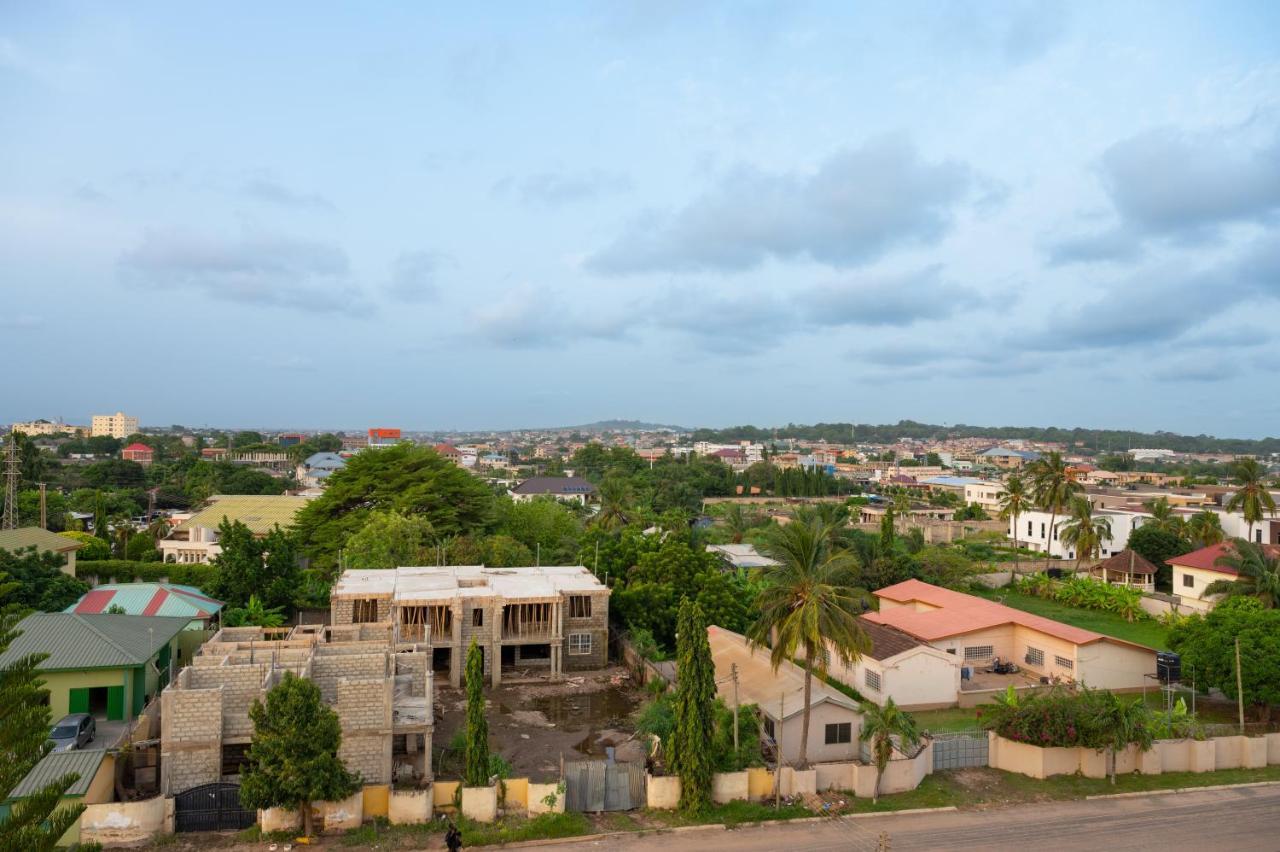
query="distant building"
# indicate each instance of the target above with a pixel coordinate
(36, 428)
(316, 469)
(291, 439)
(741, 555)
(383, 437)
(354, 442)
(118, 425)
(196, 539)
(138, 452)
(568, 489)
(42, 540)
(450, 452)
(1007, 458)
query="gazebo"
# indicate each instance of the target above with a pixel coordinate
(1126, 568)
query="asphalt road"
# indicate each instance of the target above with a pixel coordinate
(1239, 820)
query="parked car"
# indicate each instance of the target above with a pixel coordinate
(73, 731)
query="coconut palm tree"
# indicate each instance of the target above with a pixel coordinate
(615, 495)
(1123, 723)
(1084, 531)
(1015, 500)
(1162, 515)
(882, 726)
(902, 505)
(1252, 499)
(739, 521)
(1052, 485)
(1205, 528)
(808, 606)
(1257, 570)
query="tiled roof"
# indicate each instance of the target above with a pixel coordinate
(555, 485)
(886, 641)
(41, 539)
(258, 512)
(147, 599)
(957, 613)
(1206, 558)
(137, 447)
(1127, 561)
(83, 762)
(74, 641)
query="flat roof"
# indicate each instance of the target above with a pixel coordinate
(456, 582)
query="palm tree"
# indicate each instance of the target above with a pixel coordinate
(739, 521)
(1122, 723)
(1205, 528)
(1257, 570)
(1084, 531)
(615, 494)
(1052, 486)
(1251, 497)
(807, 606)
(882, 725)
(1014, 501)
(1162, 515)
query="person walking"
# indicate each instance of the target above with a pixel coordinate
(453, 838)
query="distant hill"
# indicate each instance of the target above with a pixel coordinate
(624, 426)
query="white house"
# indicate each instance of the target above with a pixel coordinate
(1033, 531)
(914, 674)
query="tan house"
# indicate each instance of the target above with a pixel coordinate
(978, 631)
(834, 720)
(1194, 572)
(42, 540)
(196, 539)
(916, 675)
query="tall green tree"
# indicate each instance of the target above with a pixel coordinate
(887, 532)
(390, 540)
(476, 771)
(694, 710)
(1163, 516)
(1257, 570)
(1205, 528)
(1052, 485)
(807, 607)
(1208, 647)
(1251, 497)
(248, 565)
(1015, 501)
(1122, 722)
(1084, 531)
(888, 728)
(293, 757)
(36, 822)
(615, 502)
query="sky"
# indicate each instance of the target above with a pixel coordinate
(306, 215)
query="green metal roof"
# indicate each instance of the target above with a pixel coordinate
(85, 762)
(258, 512)
(75, 641)
(41, 539)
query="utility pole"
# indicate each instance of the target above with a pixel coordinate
(44, 515)
(733, 672)
(1239, 687)
(11, 476)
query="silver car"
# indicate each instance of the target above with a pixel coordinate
(72, 732)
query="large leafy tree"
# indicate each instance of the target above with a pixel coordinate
(694, 710)
(1251, 497)
(888, 728)
(36, 822)
(1084, 531)
(39, 583)
(808, 607)
(546, 526)
(390, 540)
(1052, 485)
(1208, 648)
(476, 771)
(266, 567)
(1015, 501)
(1158, 545)
(1257, 569)
(404, 478)
(293, 757)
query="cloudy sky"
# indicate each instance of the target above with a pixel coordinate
(292, 215)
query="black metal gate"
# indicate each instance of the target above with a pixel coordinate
(211, 807)
(599, 785)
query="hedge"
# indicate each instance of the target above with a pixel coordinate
(200, 575)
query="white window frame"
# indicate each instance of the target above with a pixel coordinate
(871, 679)
(579, 644)
(1063, 662)
(1034, 656)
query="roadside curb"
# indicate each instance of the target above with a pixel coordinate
(1176, 790)
(685, 829)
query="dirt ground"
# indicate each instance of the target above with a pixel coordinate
(533, 723)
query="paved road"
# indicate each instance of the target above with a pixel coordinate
(1239, 820)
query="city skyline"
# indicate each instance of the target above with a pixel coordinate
(700, 215)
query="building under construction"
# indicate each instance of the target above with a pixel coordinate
(530, 621)
(380, 688)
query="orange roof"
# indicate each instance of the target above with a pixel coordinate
(1206, 558)
(137, 447)
(959, 613)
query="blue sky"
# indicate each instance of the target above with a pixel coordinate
(295, 214)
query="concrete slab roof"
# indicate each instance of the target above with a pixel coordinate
(447, 583)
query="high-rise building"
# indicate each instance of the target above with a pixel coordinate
(118, 425)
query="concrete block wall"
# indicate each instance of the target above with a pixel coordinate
(597, 625)
(191, 738)
(418, 666)
(240, 686)
(364, 707)
(327, 669)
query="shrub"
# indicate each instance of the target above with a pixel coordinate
(1060, 717)
(200, 575)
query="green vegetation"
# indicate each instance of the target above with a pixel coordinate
(1208, 647)
(1150, 632)
(476, 771)
(888, 729)
(1257, 573)
(693, 713)
(1082, 592)
(249, 566)
(38, 581)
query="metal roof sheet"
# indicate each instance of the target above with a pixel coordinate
(760, 684)
(74, 641)
(84, 762)
(41, 539)
(258, 512)
(148, 599)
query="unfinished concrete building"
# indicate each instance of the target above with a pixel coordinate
(528, 621)
(381, 690)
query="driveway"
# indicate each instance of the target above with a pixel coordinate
(1241, 819)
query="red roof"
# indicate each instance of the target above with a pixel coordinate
(384, 433)
(137, 447)
(958, 613)
(447, 450)
(1206, 558)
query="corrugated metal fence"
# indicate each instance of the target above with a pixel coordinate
(599, 785)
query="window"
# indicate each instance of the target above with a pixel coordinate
(978, 652)
(364, 611)
(1035, 657)
(839, 732)
(951, 651)
(1042, 530)
(872, 680)
(579, 606)
(1188, 581)
(1063, 662)
(477, 617)
(579, 643)
(1029, 529)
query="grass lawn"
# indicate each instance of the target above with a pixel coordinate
(950, 719)
(1148, 632)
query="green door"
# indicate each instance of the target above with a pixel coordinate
(77, 701)
(115, 703)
